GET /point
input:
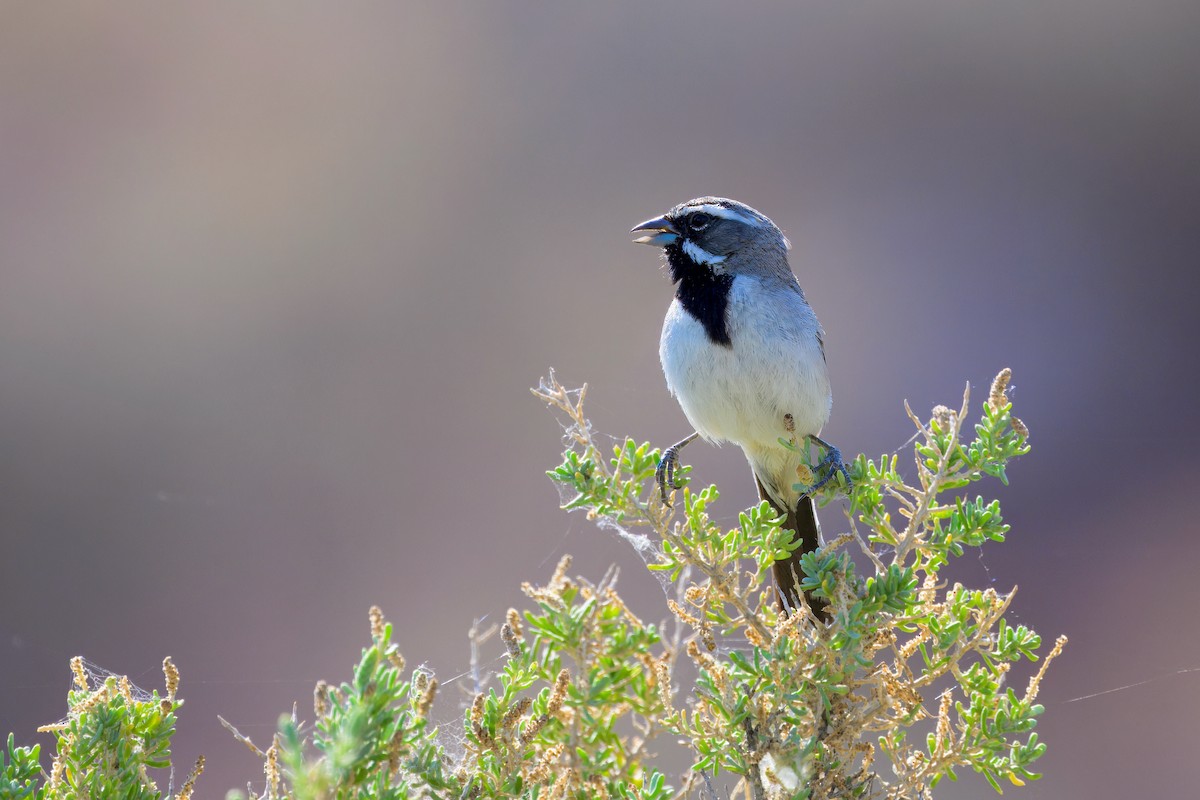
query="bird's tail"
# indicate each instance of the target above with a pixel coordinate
(803, 520)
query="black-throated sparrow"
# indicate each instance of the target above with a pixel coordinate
(744, 354)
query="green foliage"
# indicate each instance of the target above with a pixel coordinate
(798, 708)
(580, 668)
(596, 662)
(107, 747)
(20, 771)
(909, 669)
(371, 736)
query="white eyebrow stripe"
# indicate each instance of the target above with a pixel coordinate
(728, 213)
(700, 255)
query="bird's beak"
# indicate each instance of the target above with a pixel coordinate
(661, 232)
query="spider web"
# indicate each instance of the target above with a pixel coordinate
(648, 549)
(96, 676)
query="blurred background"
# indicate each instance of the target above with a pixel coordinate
(275, 280)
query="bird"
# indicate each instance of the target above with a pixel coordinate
(744, 355)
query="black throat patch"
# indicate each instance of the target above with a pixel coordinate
(703, 293)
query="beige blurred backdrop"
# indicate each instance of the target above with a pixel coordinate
(275, 279)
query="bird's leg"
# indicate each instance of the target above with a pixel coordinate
(665, 473)
(830, 465)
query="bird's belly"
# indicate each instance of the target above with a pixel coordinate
(744, 393)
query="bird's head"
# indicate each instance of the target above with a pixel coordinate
(719, 236)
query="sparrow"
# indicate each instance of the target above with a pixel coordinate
(744, 354)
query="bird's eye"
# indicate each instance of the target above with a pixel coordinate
(698, 222)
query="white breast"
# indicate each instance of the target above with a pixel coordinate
(742, 393)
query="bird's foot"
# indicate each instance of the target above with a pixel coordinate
(664, 474)
(668, 465)
(829, 466)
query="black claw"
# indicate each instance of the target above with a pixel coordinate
(660, 477)
(664, 474)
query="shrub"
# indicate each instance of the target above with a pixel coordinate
(910, 672)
